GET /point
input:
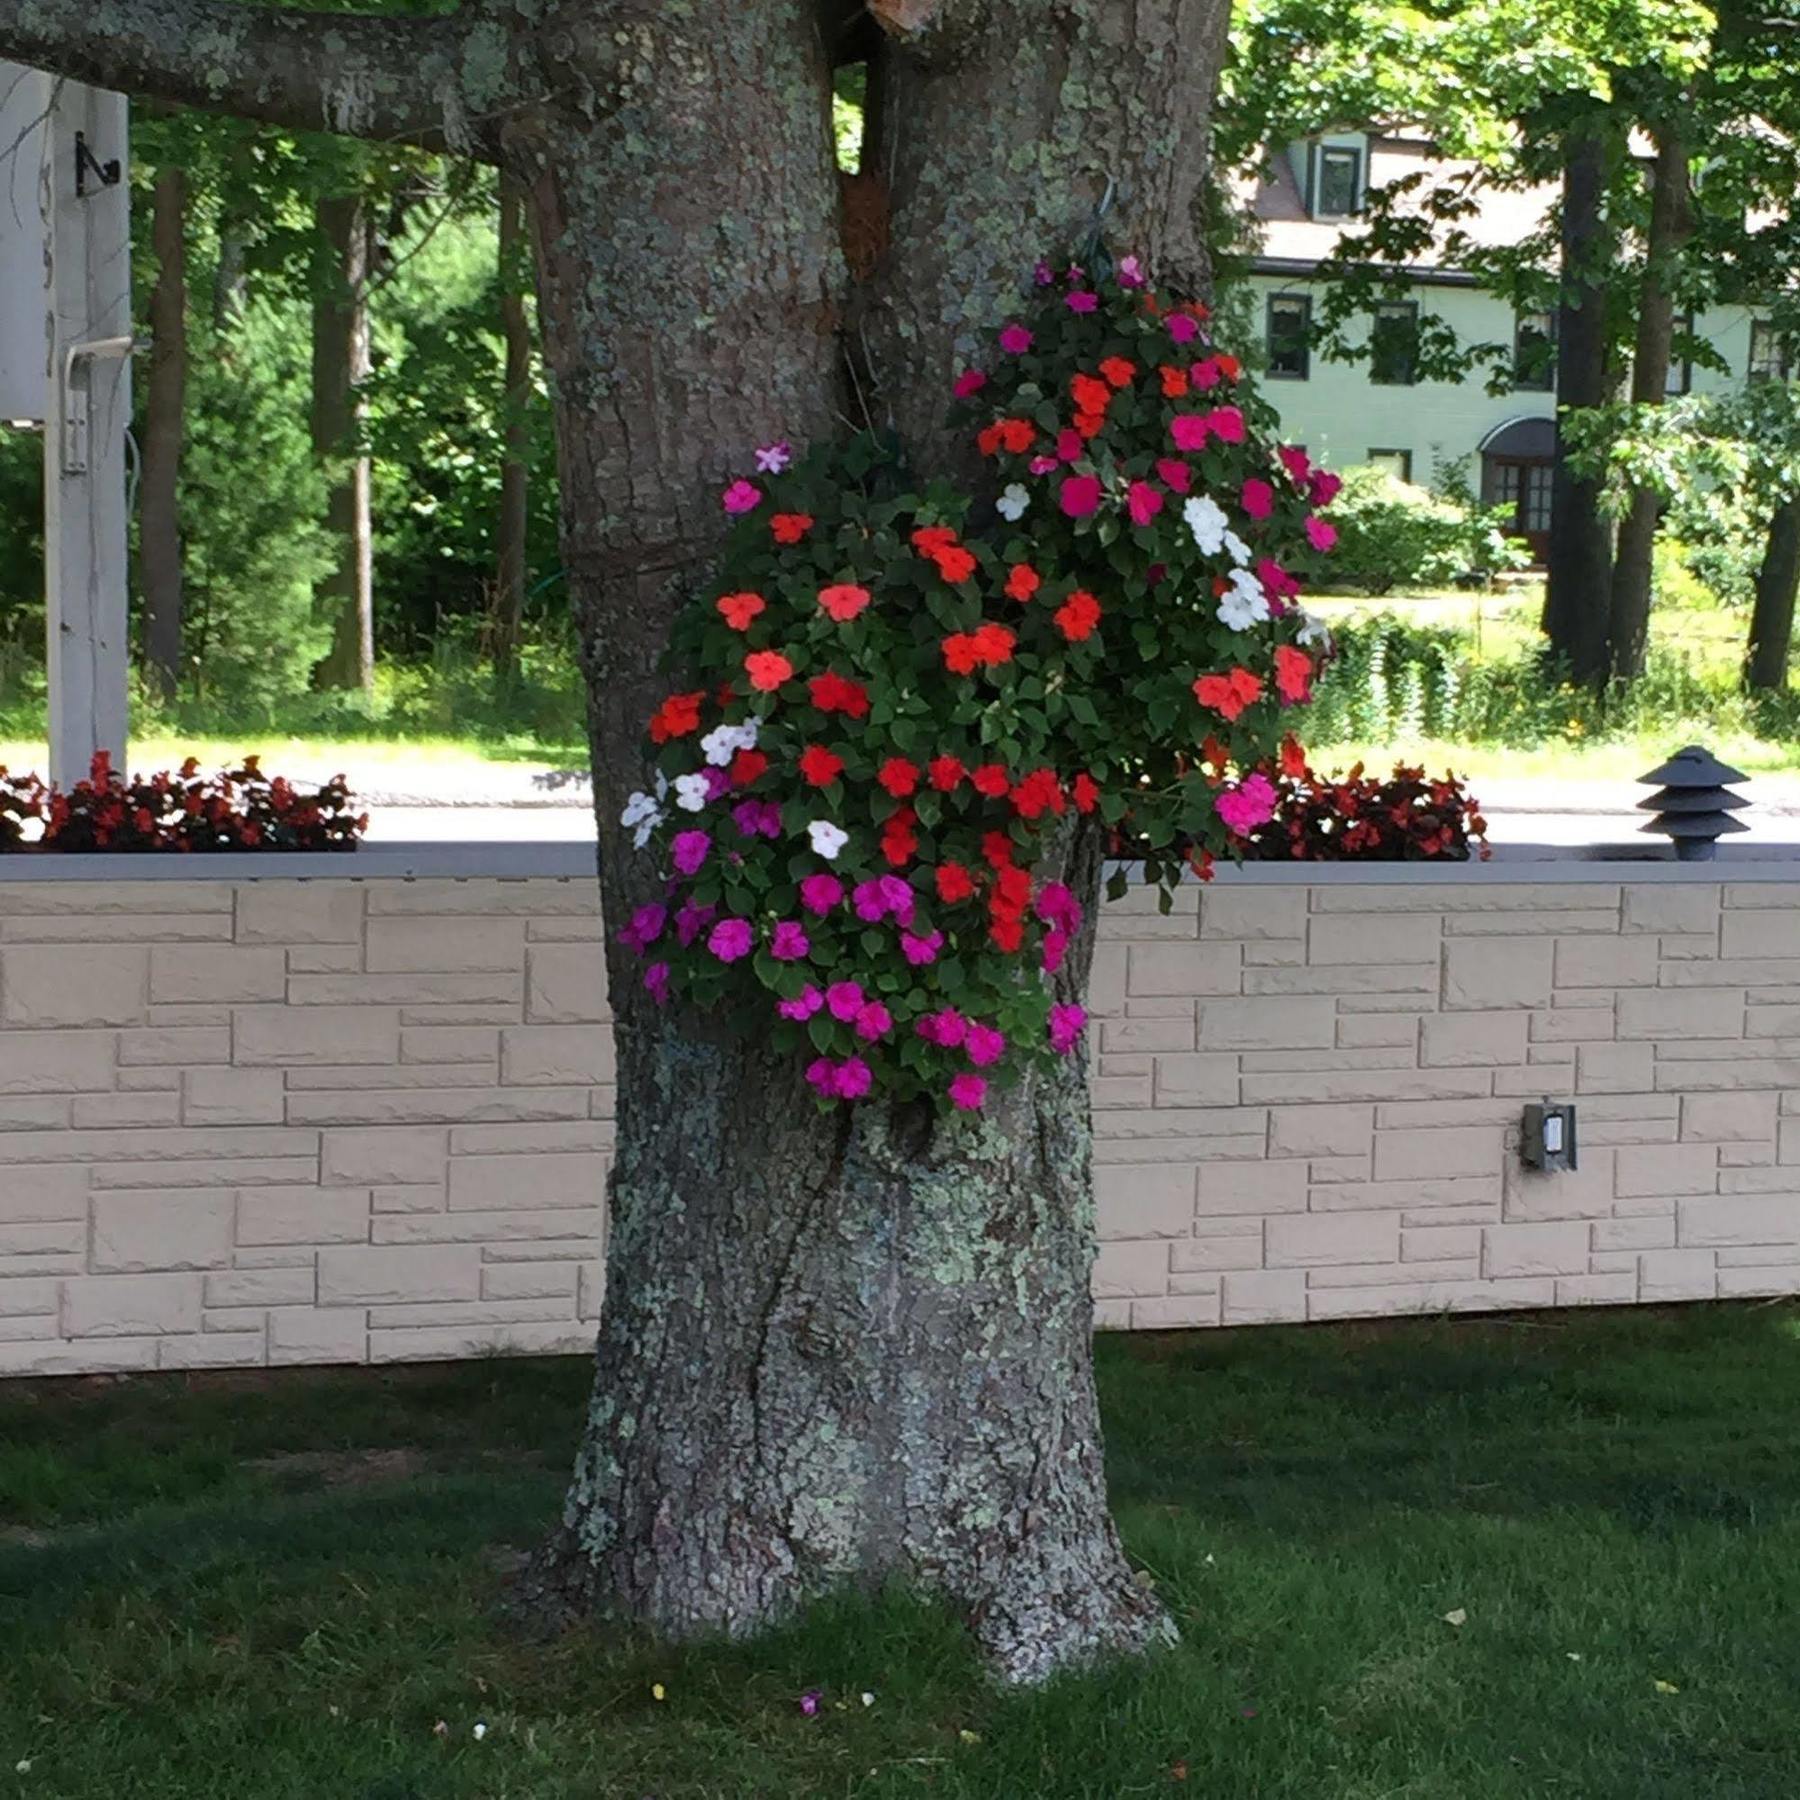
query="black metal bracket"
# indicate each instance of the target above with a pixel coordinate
(106, 174)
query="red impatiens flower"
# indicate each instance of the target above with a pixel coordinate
(1086, 791)
(1174, 381)
(836, 693)
(1008, 933)
(960, 657)
(929, 539)
(938, 545)
(843, 601)
(1228, 695)
(748, 766)
(1293, 758)
(790, 528)
(767, 670)
(737, 610)
(1022, 581)
(1118, 370)
(1016, 435)
(898, 839)
(898, 776)
(1091, 396)
(1077, 616)
(946, 774)
(987, 646)
(1293, 674)
(820, 766)
(676, 717)
(996, 849)
(990, 779)
(1040, 792)
(954, 883)
(1089, 425)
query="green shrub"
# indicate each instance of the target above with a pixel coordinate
(1392, 533)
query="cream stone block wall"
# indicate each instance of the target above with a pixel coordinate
(266, 1120)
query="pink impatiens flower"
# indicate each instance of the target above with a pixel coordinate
(803, 1005)
(1143, 502)
(656, 982)
(731, 940)
(1227, 423)
(919, 951)
(689, 850)
(645, 928)
(1257, 498)
(970, 381)
(874, 1021)
(1250, 804)
(771, 459)
(820, 893)
(1071, 446)
(1295, 460)
(1174, 474)
(1321, 533)
(1015, 340)
(968, 1093)
(788, 941)
(742, 497)
(1081, 301)
(1190, 431)
(946, 1029)
(1066, 1023)
(1130, 272)
(844, 1000)
(985, 1045)
(1183, 327)
(1080, 496)
(853, 1078)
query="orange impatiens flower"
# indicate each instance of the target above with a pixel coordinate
(1022, 581)
(1229, 695)
(1118, 370)
(1077, 616)
(843, 601)
(987, 646)
(767, 670)
(1293, 674)
(1293, 758)
(737, 610)
(1016, 435)
(790, 528)
(1091, 395)
(1174, 381)
(676, 717)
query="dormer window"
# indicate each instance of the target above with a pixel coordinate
(1338, 190)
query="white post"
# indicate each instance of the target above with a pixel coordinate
(88, 416)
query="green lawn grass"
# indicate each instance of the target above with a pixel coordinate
(274, 1587)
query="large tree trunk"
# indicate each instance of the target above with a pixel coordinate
(1579, 560)
(1772, 619)
(340, 365)
(165, 408)
(514, 520)
(1671, 224)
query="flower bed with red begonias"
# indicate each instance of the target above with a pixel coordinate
(899, 705)
(236, 809)
(1405, 817)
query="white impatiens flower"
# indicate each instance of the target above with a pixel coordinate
(1012, 502)
(827, 839)
(723, 742)
(691, 792)
(641, 817)
(1206, 520)
(1237, 549)
(1313, 630)
(1244, 604)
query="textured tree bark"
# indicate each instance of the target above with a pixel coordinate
(340, 365)
(1579, 560)
(165, 408)
(514, 517)
(1671, 225)
(1772, 618)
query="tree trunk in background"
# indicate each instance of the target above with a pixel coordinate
(1579, 561)
(340, 365)
(1772, 620)
(514, 520)
(165, 406)
(850, 1347)
(1671, 224)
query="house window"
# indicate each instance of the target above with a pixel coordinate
(1680, 378)
(1534, 352)
(1393, 346)
(1397, 463)
(1340, 184)
(1768, 355)
(1290, 335)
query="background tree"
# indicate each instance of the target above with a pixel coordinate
(165, 428)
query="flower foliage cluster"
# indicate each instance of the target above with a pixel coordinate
(899, 709)
(235, 809)
(1404, 817)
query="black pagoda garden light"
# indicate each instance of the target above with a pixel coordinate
(1692, 803)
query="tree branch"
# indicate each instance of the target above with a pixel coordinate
(435, 81)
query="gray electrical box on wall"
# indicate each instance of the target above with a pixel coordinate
(1548, 1141)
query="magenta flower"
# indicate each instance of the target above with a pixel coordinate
(809, 1701)
(969, 382)
(1205, 374)
(1295, 460)
(771, 459)
(742, 497)
(968, 1093)
(1321, 533)
(718, 783)
(1183, 327)
(1080, 497)
(1058, 904)
(1277, 583)
(691, 921)
(1015, 340)
(1130, 272)
(758, 818)
(820, 893)
(803, 1005)
(897, 896)
(1056, 947)
(1250, 804)
(1070, 445)
(844, 1000)
(788, 941)
(946, 1029)
(1066, 1026)
(921, 950)
(1081, 301)
(1190, 430)
(867, 899)
(821, 1073)
(1257, 498)
(689, 850)
(1228, 423)
(1043, 274)
(853, 1078)
(1322, 487)
(985, 1045)
(645, 928)
(1042, 465)
(874, 1021)
(731, 940)
(1143, 502)
(1174, 474)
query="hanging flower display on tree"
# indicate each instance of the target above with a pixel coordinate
(898, 709)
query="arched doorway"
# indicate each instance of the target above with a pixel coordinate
(1517, 462)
